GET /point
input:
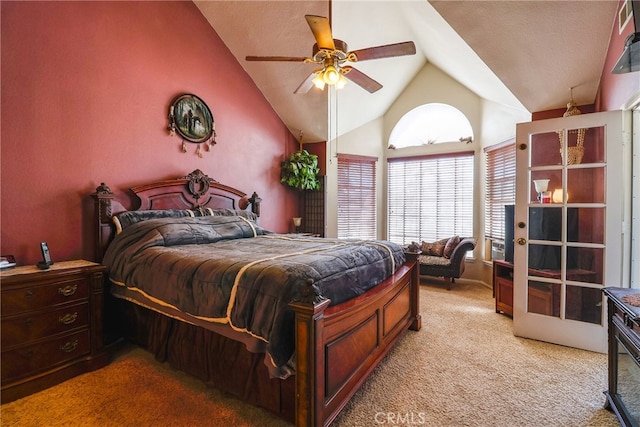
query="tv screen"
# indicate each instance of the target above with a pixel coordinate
(509, 214)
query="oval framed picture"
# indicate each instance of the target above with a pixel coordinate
(192, 117)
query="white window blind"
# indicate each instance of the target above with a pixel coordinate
(500, 187)
(430, 198)
(356, 196)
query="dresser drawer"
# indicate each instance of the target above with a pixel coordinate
(33, 326)
(43, 355)
(27, 298)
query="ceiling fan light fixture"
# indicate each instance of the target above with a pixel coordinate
(319, 81)
(331, 75)
(342, 81)
(332, 53)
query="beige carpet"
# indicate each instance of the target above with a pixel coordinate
(464, 368)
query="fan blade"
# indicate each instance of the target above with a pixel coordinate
(321, 31)
(276, 58)
(386, 51)
(306, 84)
(361, 79)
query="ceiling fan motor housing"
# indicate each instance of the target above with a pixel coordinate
(339, 54)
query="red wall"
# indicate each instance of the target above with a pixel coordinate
(86, 88)
(617, 89)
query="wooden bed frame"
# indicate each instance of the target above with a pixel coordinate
(337, 347)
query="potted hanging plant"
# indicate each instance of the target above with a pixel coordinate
(300, 170)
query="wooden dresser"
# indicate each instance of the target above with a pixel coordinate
(51, 325)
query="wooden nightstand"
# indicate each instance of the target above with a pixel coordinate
(51, 325)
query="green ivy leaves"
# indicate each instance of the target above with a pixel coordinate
(301, 171)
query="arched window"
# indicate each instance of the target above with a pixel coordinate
(431, 124)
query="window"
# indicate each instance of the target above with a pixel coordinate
(500, 187)
(430, 198)
(431, 124)
(356, 196)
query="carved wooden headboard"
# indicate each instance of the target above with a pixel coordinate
(193, 191)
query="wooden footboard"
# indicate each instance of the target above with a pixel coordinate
(338, 347)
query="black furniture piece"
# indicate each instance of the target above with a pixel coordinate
(623, 395)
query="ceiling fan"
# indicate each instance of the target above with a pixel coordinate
(332, 54)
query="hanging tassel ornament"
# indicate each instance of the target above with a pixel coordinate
(213, 142)
(198, 152)
(576, 152)
(184, 146)
(172, 122)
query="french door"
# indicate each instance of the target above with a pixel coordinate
(571, 234)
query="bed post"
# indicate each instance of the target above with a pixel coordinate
(416, 323)
(255, 201)
(103, 198)
(309, 310)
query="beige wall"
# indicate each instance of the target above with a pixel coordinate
(367, 140)
(492, 123)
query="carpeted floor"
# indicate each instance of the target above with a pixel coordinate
(464, 368)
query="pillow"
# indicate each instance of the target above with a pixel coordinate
(413, 247)
(450, 246)
(230, 212)
(434, 249)
(125, 219)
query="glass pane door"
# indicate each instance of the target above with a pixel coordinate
(567, 232)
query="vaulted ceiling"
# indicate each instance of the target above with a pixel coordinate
(523, 54)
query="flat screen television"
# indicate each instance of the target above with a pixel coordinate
(509, 214)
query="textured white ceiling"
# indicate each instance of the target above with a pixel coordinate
(524, 54)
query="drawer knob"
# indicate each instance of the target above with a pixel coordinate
(68, 318)
(69, 346)
(68, 290)
(28, 294)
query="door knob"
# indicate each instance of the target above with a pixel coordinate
(522, 241)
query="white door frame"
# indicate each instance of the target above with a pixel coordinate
(558, 330)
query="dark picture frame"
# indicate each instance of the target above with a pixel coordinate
(191, 118)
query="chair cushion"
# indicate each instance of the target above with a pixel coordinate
(450, 246)
(435, 248)
(433, 260)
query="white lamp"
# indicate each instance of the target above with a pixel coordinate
(542, 185)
